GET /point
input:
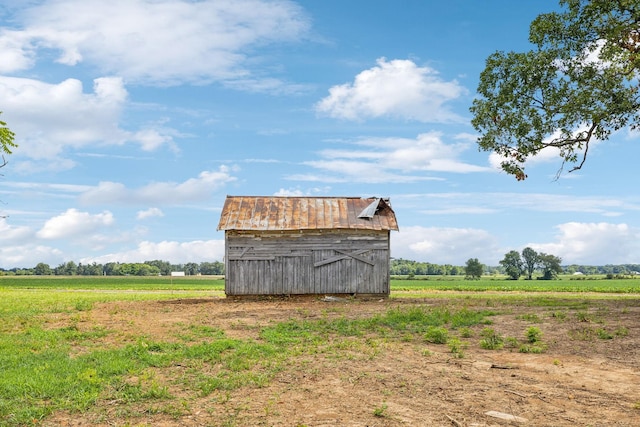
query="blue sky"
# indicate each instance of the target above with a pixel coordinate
(135, 118)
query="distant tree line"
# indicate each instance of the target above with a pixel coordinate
(532, 262)
(147, 268)
(622, 269)
(398, 267)
(405, 267)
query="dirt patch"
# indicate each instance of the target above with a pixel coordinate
(588, 375)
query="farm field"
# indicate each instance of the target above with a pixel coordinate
(154, 352)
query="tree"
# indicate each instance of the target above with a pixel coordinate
(6, 140)
(211, 268)
(513, 265)
(530, 258)
(42, 269)
(163, 266)
(112, 269)
(473, 269)
(550, 265)
(191, 268)
(146, 270)
(94, 269)
(69, 268)
(580, 84)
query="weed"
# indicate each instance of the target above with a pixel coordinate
(303, 312)
(467, 317)
(457, 347)
(436, 335)
(415, 319)
(157, 391)
(534, 318)
(583, 334)
(533, 334)
(583, 316)
(491, 340)
(271, 407)
(83, 305)
(536, 348)
(232, 419)
(621, 331)
(534, 343)
(381, 411)
(205, 331)
(603, 334)
(407, 337)
(560, 315)
(466, 333)
(511, 342)
(175, 411)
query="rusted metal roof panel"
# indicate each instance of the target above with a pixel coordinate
(272, 213)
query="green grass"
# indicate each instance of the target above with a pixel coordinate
(140, 283)
(41, 376)
(564, 284)
(426, 283)
(47, 368)
(20, 308)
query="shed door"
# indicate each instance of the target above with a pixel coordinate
(343, 271)
(296, 274)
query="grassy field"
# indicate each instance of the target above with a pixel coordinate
(424, 283)
(50, 365)
(165, 283)
(564, 284)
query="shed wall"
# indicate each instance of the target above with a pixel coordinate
(318, 262)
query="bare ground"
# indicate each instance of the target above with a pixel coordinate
(581, 379)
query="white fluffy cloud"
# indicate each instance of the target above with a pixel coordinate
(149, 213)
(50, 118)
(154, 42)
(160, 192)
(445, 245)
(178, 252)
(576, 243)
(339, 170)
(151, 41)
(11, 235)
(594, 243)
(397, 88)
(74, 223)
(473, 203)
(378, 160)
(29, 255)
(297, 192)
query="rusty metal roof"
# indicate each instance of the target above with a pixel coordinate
(272, 213)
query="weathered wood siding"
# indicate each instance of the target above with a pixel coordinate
(318, 262)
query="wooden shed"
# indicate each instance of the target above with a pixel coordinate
(307, 245)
